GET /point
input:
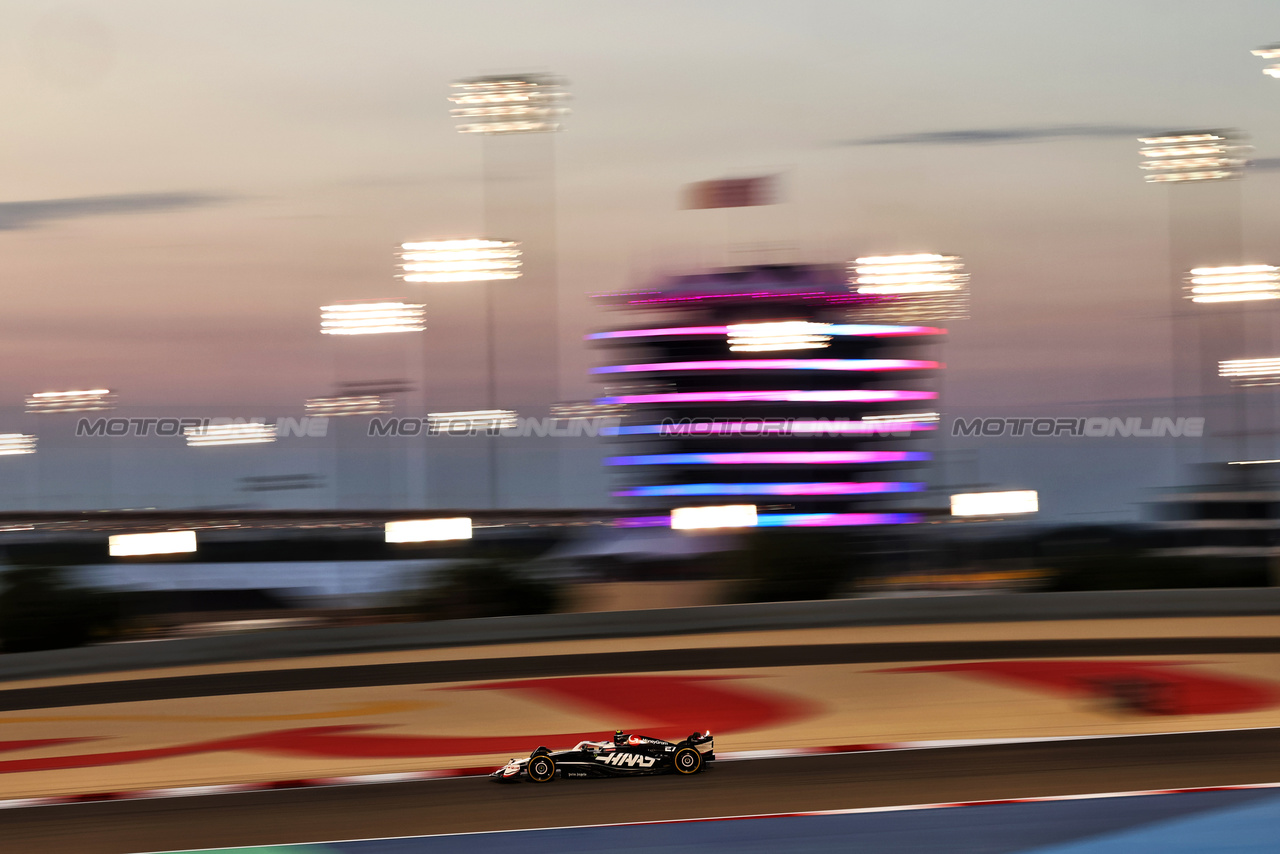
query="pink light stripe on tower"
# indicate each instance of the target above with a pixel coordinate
(873, 330)
(794, 396)
(770, 458)
(785, 427)
(774, 365)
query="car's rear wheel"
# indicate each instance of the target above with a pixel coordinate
(687, 761)
(541, 769)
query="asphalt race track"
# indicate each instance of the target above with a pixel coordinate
(731, 788)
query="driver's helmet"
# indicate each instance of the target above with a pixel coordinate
(619, 737)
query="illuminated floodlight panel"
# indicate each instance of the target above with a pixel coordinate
(1240, 283)
(1251, 372)
(349, 404)
(371, 318)
(587, 409)
(476, 419)
(702, 518)
(903, 418)
(428, 530)
(914, 287)
(1271, 51)
(509, 103)
(475, 260)
(251, 433)
(1211, 155)
(15, 444)
(995, 503)
(778, 335)
(86, 400)
(894, 275)
(158, 543)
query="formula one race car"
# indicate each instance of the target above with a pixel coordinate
(625, 756)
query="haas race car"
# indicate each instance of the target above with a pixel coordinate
(625, 756)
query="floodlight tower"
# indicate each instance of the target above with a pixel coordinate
(477, 260)
(1271, 51)
(367, 338)
(1202, 169)
(517, 115)
(85, 471)
(921, 287)
(1251, 289)
(447, 263)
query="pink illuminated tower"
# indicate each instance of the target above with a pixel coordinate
(764, 386)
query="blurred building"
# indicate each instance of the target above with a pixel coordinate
(1231, 512)
(767, 386)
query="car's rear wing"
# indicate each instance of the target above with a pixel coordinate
(705, 743)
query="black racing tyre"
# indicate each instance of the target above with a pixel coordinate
(687, 761)
(541, 769)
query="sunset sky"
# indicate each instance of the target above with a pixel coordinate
(185, 183)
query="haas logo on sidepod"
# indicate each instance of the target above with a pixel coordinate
(630, 760)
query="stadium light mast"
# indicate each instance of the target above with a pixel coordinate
(913, 288)
(1243, 374)
(368, 329)
(464, 261)
(1202, 169)
(516, 117)
(1240, 285)
(474, 260)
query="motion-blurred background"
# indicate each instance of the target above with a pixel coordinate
(600, 306)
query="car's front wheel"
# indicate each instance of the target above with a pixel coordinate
(541, 769)
(687, 761)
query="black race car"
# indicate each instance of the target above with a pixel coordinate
(625, 756)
